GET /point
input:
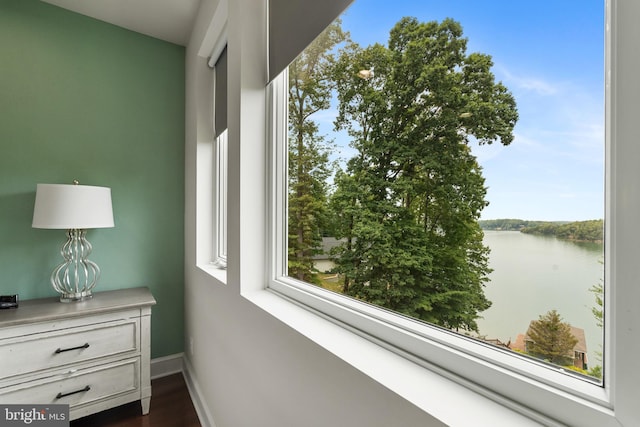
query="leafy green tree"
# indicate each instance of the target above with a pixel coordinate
(551, 339)
(598, 313)
(598, 310)
(310, 91)
(408, 204)
(506, 224)
(585, 231)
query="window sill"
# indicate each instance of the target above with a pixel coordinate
(433, 393)
(217, 272)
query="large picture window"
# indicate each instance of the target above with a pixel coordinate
(444, 193)
(424, 147)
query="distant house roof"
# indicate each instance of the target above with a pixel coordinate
(518, 344)
(578, 333)
(328, 243)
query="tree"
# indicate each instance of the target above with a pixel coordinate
(585, 231)
(551, 339)
(310, 89)
(598, 310)
(408, 204)
(598, 314)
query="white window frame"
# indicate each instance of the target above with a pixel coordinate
(537, 390)
(212, 160)
(220, 162)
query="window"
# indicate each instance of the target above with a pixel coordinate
(401, 214)
(212, 166)
(529, 383)
(220, 188)
(220, 162)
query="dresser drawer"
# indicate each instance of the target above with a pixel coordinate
(92, 355)
(78, 388)
(35, 352)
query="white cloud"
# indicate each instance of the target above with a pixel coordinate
(528, 83)
(539, 86)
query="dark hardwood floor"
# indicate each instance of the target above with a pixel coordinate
(171, 406)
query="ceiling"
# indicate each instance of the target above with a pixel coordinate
(169, 20)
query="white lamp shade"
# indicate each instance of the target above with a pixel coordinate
(63, 206)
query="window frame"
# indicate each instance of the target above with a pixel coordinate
(530, 387)
(219, 185)
(212, 172)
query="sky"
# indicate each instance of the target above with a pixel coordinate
(550, 55)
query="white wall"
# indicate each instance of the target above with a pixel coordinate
(250, 368)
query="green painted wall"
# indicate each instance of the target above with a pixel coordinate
(83, 99)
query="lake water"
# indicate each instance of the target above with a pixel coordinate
(535, 274)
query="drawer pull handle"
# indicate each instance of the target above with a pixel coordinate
(60, 350)
(61, 395)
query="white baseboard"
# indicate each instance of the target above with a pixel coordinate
(206, 420)
(177, 363)
(167, 365)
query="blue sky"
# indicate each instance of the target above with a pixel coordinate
(550, 54)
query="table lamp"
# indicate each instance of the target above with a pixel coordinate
(75, 208)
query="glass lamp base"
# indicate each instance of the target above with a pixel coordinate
(76, 296)
(76, 276)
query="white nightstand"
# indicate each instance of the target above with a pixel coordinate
(92, 355)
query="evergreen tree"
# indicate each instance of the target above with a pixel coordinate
(551, 339)
(408, 203)
(598, 310)
(598, 314)
(310, 89)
